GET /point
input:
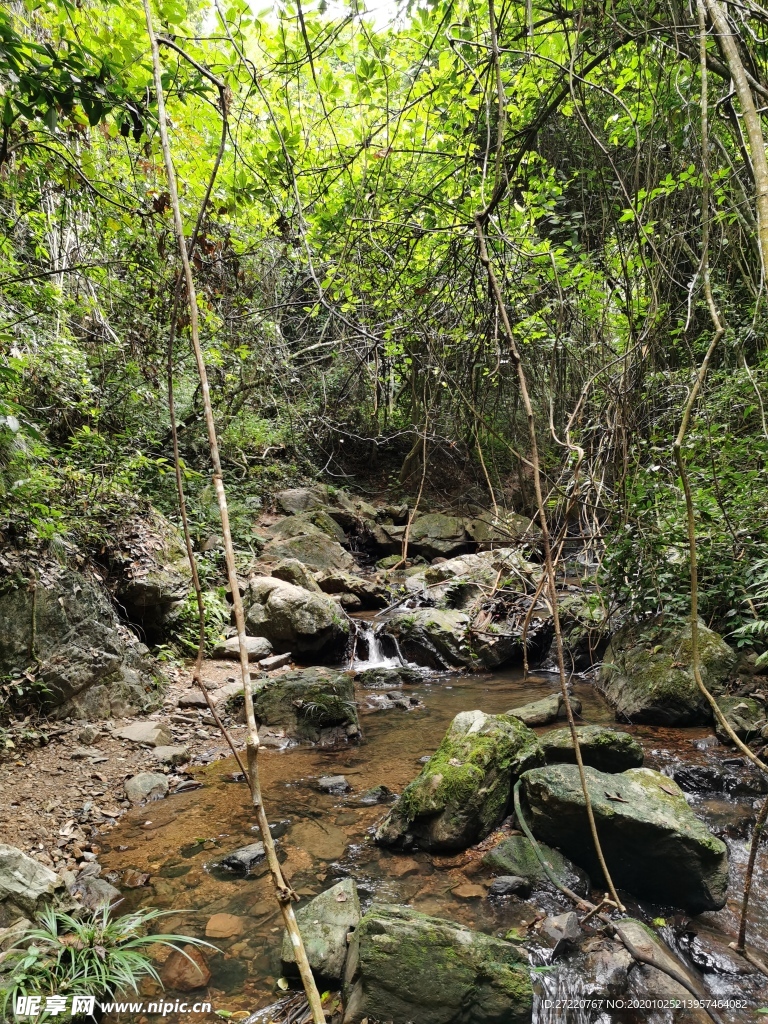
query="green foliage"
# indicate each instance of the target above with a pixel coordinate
(187, 626)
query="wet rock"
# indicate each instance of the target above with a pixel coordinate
(376, 795)
(463, 791)
(711, 955)
(153, 734)
(94, 893)
(26, 885)
(145, 786)
(369, 593)
(745, 715)
(171, 755)
(295, 572)
(87, 663)
(313, 705)
(583, 620)
(509, 885)
(185, 970)
(468, 891)
(244, 859)
(652, 983)
(325, 924)
(654, 845)
(405, 966)
(515, 856)
(734, 776)
(542, 712)
(608, 750)
(562, 926)
(292, 619)
(374, 678)
(335, 784)
(432, 637)
(258, 647)
(647, 675)
(224, 926)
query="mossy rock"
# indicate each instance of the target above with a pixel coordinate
(404, 966)
(647, 675)
(463, 791)
(745, 715)
(293, 619)
(516, 856)
(314, 705)
(608, 750)
(654, 845)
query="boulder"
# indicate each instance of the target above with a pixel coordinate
(404, 966)
(292, 619)
(652, 983)
(432, 637)
(463, 791)
(437, 534)
(504, 530)
(584, 625)
(544, 711)
(654, 845)
(94, 893)
(386, 677)
(745, 715)
(312, 705)
(369, 593)
(647, 676)
(515, 856)
(316, 551)
(258, 647)
(26, 885)
(145, 786)
(172, 755)
(185, 970)
(293, 571)
(509, 885)
(608, 750)
(153, 734)
(309, 524)
(66, 631)
(325, 924)
(302, 499)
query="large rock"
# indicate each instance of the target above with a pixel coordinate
(185, 970)
(302, 499)
(313, 705)
(325, 923)
(647, 675)
(26, 885)
(608, 750)
(489, 531)
(258, 647)
(432, 637)
(145, 786)
(310, 524)
(584, 625)
(654, 845)
(293, 619)
(464, 789)
(544, 711)
(66, 632)
(370, 594)
(295, 572)
(315, 550)
(515, 856)
(745, 715)
(435, 534)
(404, 966)
(149, 733)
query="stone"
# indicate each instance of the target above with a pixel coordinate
(381, 677)
(293, 571)
(562, 926)
(376, 795)
(647, 676)
(292, 619)
(405, 966)
(307, 524)
(541, 712)
(509, 885)
(314, 705)
(94, 893)
(584, 626)
(608, 750)
(154, 734)
(311, 546)
(258, 647)
(432, 637)
(401, 867)
(745, 715)
(464, 789)
(325, 924)
(88, 735)
(515, 856)
(468, 891)
(504, 530)
(224, 926)
(335, 784)
(171, 755)
(86, 662)
(275, 661)
(185, 970)
(370, 594)
(146, 786)
(302, 499)
(436, 534)
(652, 983)
(26, 885)
(654, 845)
(244, 859)
(193, 699)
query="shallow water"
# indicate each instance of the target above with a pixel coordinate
(323, 837)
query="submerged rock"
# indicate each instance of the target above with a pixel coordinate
(185, 970)
(404, 966)
(608, 750)
(325, 924)
(463, 790)
(293, 619)
(647, 675)
(515, 856)
(312, 705)
(654, 845)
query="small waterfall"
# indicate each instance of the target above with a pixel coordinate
(375, 649)
(560, 997)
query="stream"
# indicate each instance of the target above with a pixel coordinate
(323, 837)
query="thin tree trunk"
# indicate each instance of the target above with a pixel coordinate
(285, 893)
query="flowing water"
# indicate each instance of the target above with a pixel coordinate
(323, 837)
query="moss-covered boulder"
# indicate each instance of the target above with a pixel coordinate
(307, 524)
(745, 715)
(516, 856)
(464, 789)
(654, 845)
(293, 619)
(433, 637)
(325, 924)
(291, 570)
(584, 624)
(647, 674)
(404, 966)
(541, 712)
(608, 750)
(313, 705)
(431, 535)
